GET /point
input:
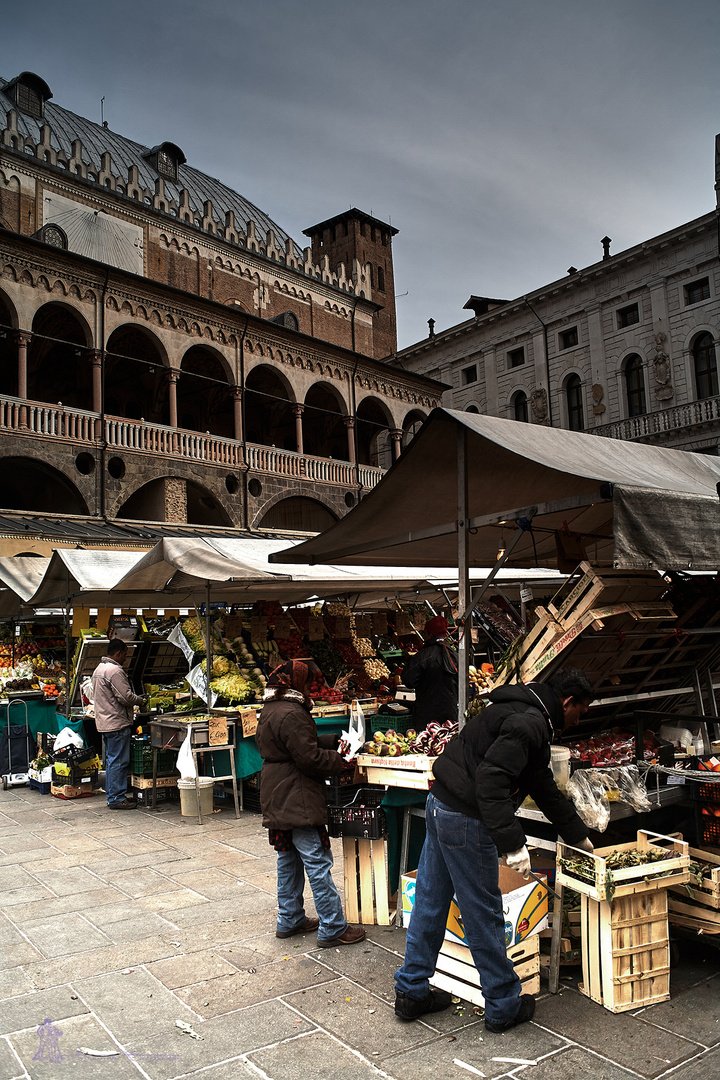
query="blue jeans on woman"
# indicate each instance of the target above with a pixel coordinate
(459, 857)
(117, 760)
(308, 856)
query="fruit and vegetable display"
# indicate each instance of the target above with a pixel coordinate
(431, 741)
(613, 748)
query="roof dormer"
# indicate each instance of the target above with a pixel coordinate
(165, 159)
(28, 93)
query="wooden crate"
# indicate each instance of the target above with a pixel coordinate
(626, 950)
(366, 882)
(145, 783)
(457, 973)
(707, 895)
(647, 877)
(410, 771)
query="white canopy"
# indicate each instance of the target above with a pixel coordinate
(553, 496)
(74, 573)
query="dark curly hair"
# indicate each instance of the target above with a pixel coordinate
(572, 683)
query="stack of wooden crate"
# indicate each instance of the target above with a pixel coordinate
(624, 921)
(699, 908)
(456, 971)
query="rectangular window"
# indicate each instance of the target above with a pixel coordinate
(516, 357)
(627, 316)
(468, 375)
(568, 338)
(697, 291)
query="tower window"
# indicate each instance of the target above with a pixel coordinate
(380, 279)
(516, 357)
(166, 164)
(469, 375)
(568, 338)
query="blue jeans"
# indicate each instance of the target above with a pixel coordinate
(117, 760)
(308, 856)
(459, 857)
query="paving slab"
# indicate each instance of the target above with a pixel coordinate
(63, 905)
(189, 969)
(315, 1055)
(255, 911)
(70, 845)
(706, 1067)
(140, 881)
(62, 935)
(254, 951)
(24, 896)
(237, 1069)
(134, 1006)
(27, 816)
(15, 955)
(10, 1065)
(619, 1036)
(9, 933)
(132, 844)
(29, 1010)
(113, 958)
(358, 1018)
(205, 936)
(143, 925)
(14, 982)
(66, 881)
(58, 1057)
(693, 1014)
(366, 964)
(209, 882)
(114, 862)
(223, 1038)
(16, 877)
(226, 993)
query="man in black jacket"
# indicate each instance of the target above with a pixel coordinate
(501, 756)
(433, 673)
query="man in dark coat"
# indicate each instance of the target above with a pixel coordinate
(501, 756)
(433, 673)
(296, 761)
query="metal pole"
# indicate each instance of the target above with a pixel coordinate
(209, 649)
(464, 604)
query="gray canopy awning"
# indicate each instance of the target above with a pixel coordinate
(560, 495)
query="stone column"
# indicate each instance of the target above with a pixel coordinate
(396, 436)
(350, 425)
(95, 358)
(237, 412)
(298, 411)
(172, 378)
(175, 500)
(23, 340)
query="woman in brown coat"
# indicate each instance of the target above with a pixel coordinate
(294, 806)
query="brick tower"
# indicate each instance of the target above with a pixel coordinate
(356, 239)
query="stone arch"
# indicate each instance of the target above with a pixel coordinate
(372, 428)
(411, 424)
(296, 513)
(149, 501)
(135, 375)
(8, 348)
(204, 399)
(34, 485)
(58, 364)
(269, 401)
(325, 431)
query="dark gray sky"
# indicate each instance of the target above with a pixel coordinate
(503, 138)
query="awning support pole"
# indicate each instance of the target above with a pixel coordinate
(464, 644)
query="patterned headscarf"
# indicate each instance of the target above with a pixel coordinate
(293, 675)
(436, 627)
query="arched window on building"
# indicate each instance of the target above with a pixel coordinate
(705, 362)
(519, 405)
(380, 279)
(574, 403)
(635, 386)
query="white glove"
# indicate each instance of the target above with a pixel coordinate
(519, 860)
(585, 845)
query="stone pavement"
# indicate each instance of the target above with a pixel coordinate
(114, 926)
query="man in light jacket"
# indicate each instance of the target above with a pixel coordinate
(114, 700)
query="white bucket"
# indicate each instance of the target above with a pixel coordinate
(188, 798)
(560, 765)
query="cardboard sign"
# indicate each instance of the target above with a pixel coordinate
(233, 626)
(259, 628)
(380, 623)
(249, 720)
(218, 730)
(343, 629)
(316, 629)
(363, 625)
(283, 627)
(402, 624)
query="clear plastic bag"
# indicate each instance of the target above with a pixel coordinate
(592, 791)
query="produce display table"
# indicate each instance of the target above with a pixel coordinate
(170, 731)
(42, 717)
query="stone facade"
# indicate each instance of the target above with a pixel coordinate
(162, 360)
(625, 348)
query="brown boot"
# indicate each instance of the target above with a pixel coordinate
(351, 935)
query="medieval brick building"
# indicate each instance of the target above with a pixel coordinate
(168, 353)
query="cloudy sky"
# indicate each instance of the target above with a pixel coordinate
(503, 138)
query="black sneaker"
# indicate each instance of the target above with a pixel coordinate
(525, 1013)
(408, 1008)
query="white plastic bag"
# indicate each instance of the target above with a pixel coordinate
(354, 737)
(68, 737)
(185, 761)
(88, 690)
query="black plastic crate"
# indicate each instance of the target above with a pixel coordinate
(141, 759)
(251, 793)
(363, 817)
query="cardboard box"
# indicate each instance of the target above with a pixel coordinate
(68, 791)
(525, 905)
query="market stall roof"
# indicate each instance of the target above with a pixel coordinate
(570, 495)
(73, 573)
(21, 575)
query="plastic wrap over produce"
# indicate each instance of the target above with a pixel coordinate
(592, 791)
